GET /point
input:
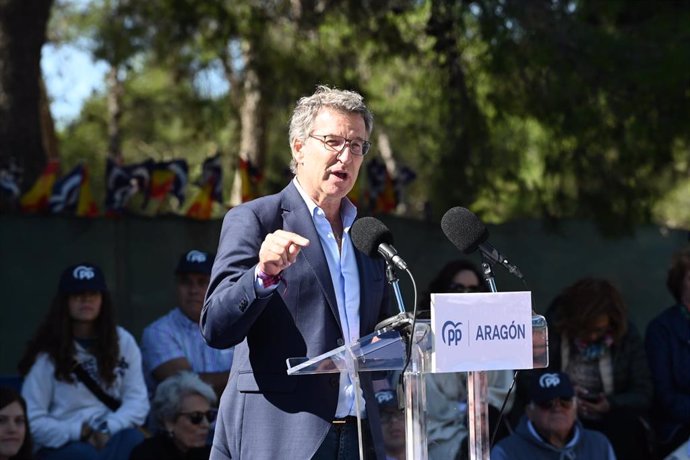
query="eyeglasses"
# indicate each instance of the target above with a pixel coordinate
(550, 404)
(197, 417)
(338, 143)
(390, 416)
(459, 287)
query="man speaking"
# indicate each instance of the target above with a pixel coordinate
(287, 282)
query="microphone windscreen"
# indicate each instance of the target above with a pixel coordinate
(464, 229)
(368, 233)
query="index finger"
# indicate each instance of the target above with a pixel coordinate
(293, 238)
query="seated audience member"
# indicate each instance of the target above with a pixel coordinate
(83, 383)
(15, 436)
(174, 343)
(182, 412)
(592, 340)
(392, 424)
(446, 393)
(667, 342)
(550, 429)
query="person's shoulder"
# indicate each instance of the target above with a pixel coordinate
(667, 314)
(668, 320)
(161, 322)
(595, 438)
(125, 337)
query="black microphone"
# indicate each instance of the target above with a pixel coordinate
(372, 237)
(464, 229)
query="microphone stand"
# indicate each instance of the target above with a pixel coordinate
(477, 391)
(403, 319)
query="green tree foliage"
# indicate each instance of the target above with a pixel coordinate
(514, 109)
(604, 81)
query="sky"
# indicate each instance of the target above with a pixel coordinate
(71, 76)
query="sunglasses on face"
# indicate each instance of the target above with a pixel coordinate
(390, 416)
(548, 405)
(197, 417)
(459, 287)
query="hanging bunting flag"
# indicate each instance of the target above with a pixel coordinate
(203, 203)
(211, 183)
(123, 182)
(8, 185)
(36, 198)
(72, 194)
(168, 177)
(381, 191)
(86, 205)
(250, 176)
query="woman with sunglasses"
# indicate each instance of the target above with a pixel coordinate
(15, 436)
(592, 340)
(182, 411)
(446, 394)
(83, 381)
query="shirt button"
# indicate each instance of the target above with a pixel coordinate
(340, 342)
(243, 304)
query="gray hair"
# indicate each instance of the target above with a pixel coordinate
(308, 107)
(169, 394)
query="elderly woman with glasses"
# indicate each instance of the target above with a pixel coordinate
(182, 410)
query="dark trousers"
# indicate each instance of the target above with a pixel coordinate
(342, 442)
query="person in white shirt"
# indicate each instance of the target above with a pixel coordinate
(83, 381)
(173, 343)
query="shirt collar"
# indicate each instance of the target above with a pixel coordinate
(348, 211)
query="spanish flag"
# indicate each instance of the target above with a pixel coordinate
(211, 183)
(168, 177)
(250, 177)
(203, 203)
(36, 198)
(86, 205)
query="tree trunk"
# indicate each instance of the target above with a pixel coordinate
(115, 92)
(252, 124)
(22, 34)
(50, 140)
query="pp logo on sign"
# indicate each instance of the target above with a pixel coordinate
(451, 333)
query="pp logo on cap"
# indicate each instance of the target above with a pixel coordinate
(196, 257)
(83, 272)
(384, 397)
(549, 380)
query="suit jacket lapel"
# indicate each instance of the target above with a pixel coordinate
(297, 219)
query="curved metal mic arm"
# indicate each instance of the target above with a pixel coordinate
(488, 274)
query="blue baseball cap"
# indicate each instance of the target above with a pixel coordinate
(195, 261)
(550, 385)
(82, 277)
(387, 398)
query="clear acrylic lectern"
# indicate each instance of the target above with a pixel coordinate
(387, 349)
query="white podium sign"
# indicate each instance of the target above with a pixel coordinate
(481, 331)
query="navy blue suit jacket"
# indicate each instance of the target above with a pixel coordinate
(264, 413)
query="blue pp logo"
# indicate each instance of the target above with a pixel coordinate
(451, 333)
